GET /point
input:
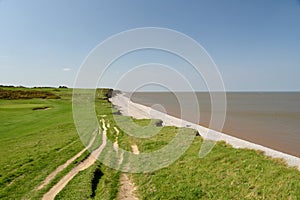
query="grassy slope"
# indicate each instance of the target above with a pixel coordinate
(226, 173)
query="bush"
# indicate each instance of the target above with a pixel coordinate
(26, 94)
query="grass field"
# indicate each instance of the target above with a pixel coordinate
(34, 142)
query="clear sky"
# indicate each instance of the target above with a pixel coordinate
(255, 44)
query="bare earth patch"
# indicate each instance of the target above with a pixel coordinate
(127, 189)
(135, 149)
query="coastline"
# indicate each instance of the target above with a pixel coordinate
(138, 111)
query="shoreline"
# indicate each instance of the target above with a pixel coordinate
(138, 111)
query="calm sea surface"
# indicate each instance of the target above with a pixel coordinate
(271, 119)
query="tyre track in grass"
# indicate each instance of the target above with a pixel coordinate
(127, 188)
(51, 176)
(80, 167)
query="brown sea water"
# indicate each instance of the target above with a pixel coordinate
(271, 119)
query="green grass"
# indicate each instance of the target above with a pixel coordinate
(107, 187)
(38, 194)
(34, 142)
(81, 186)
(225, 173)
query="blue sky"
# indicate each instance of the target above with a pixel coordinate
(255, 44)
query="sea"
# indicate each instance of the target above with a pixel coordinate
(271, 119)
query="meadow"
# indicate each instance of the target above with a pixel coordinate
(38, 134)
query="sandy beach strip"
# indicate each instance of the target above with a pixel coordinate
(139, 111)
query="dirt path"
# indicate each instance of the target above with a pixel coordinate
(66, 164)
(135, 149)
(80, 167)
(127, 187)
(116, 144)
